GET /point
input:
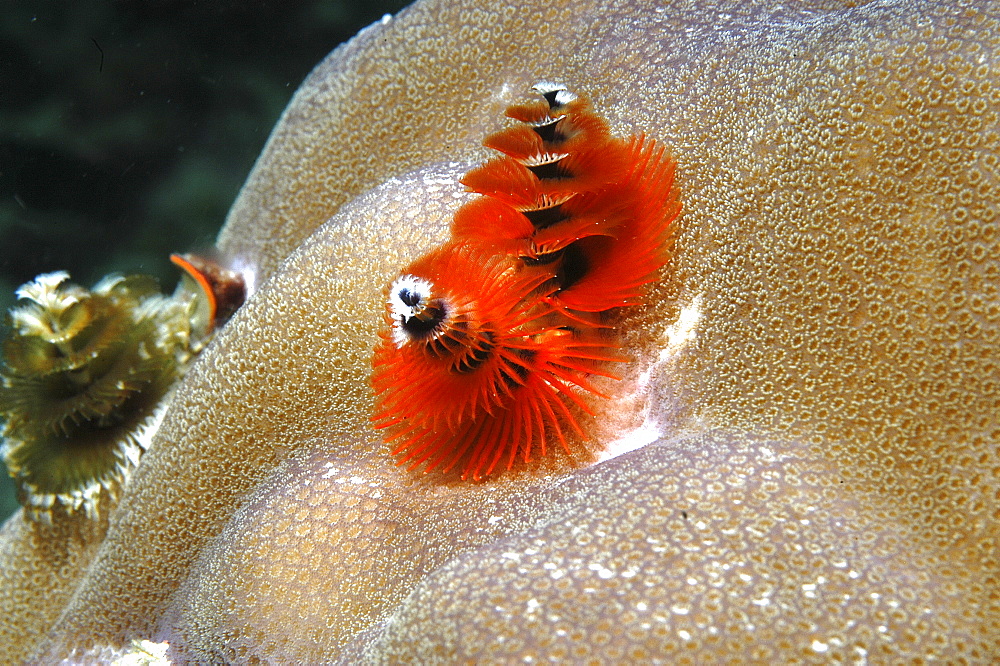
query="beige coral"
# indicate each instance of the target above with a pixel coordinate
(817, 369)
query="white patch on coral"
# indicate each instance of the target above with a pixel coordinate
(144, 653)
(248, 271)
(675, 339)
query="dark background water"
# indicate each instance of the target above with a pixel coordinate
(127, 128)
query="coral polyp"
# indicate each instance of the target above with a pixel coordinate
(83, 384)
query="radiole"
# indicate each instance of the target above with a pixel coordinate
(492, 338)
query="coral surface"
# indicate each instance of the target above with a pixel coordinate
(802, 456)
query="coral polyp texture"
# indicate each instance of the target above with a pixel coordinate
(800, 459)
(83, 379)
(492, 338)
